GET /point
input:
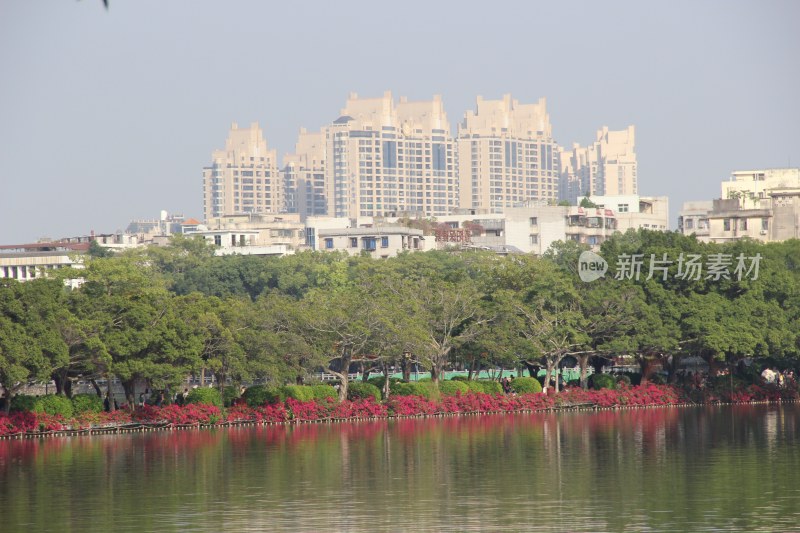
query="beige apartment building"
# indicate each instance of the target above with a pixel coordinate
(607, 167)
(304, 176)
(506, 155)
(386, 157)
(244, 177)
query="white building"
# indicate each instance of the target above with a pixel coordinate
(380, 241)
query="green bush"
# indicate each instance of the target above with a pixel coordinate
(658, 379)
(602, 381)
(378, 381)
(475, 386)
(54, 405)
(459, 378)
(359, 390)
(229, 395)
(23, 402)
(258, 395)
(453, 388)
(425, 380)
(204, 395)
(526, 385)
(425, 389)
(301, 393)
(624, 379)
(86, 403)
(323, 392)
(491, 387)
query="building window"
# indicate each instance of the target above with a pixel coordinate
(726, 224)
(384, 242)
(534, 239)
(353, 242)
(622, 208)
(218, 240)
(689, 223)
(369, 244)
(764, 224)
(329, 244)
(534, 221)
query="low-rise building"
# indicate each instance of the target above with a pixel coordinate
(271, 230)
(771, 218)
(241, 242)
(378, 241)
(25, 262)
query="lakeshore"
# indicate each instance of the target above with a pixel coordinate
(26, 425)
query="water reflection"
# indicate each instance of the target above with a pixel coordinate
(681, 469)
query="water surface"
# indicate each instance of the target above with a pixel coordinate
(675, 469)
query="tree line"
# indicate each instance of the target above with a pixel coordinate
(159, 314)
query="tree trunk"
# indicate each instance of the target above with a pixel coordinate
(129, 386)
(435, 373)
(386, 384)
(583, 361)
(405, 365)
(97, 388)
(110, 394)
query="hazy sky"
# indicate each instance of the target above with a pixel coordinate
(106, 116)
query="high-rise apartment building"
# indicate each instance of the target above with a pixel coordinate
(244, 177)
(605, 168)
(506, 155)
(304, 176)
(385, 158)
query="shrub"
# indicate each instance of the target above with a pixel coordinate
(459, 378)
(526, 385)
(624, 379)
(229, 395)
(259, 395)
(425, 380)
(205, 396)
(491, 387)
(453, 388)
(301, 393)
(53, 404)
(658, 379)
(379, 381)
(23, 402)
(86, 403)
(602, 381)
(358, 390)
(425, 389)
(323, 392)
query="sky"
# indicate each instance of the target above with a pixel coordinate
(110, 115)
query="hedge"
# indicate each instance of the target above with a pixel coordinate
(205, 396)
(87, 403)
(526, 385)
(359, 390)
(453, 388)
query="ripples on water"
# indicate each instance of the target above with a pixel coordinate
(681, 469)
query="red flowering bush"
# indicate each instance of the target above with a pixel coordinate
(411, 406)
(305, 411)
(362, 408)
(271, 413)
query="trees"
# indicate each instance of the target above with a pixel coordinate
(30, 346)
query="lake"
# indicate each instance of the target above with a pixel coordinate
(728, 468)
